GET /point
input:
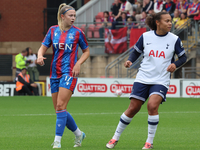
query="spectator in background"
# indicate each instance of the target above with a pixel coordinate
(124, 18)
(106, 23)
(21, 62)
(179, 25)
(32, 67)
(193, 9)
(158, 6)
(169, 7)
(115, 8)
(182, 6)
(147, 7)
(183, 19)
(176, 17)
(142, 23)
(138, 7)
(24, 83)
(127, 7)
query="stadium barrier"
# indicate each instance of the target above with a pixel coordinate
(106, 87)
(8, 89)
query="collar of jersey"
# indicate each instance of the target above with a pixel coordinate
(160, 35)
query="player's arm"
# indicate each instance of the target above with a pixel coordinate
(41, 52)
(132, 58)
(182, 58)
(77, 67)
(43, 48)
(138, 49)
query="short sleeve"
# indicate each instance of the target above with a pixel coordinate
(139, 45)
(128, 7)
(47, 40)
(82, 41)
(179, 49)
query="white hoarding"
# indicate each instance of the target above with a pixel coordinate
(105, 87)
(174, 88)
(191, 88)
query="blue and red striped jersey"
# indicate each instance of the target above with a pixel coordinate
(184, 5)
(65, 49)
(194, 7)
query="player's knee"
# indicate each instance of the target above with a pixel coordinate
(133, 109)
(59, 107)
(152, 109)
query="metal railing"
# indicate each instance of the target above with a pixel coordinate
(188, 33)
(191, 72)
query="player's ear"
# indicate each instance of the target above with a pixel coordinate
(157, 22)
(62, 16)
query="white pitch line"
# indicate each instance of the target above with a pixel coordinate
(116, 113)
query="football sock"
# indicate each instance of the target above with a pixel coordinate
(60, 122)
(70, 123)
(57, 138)
(77, 132)
(152, 127)
(124, 121)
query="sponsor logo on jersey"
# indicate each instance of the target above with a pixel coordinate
(157, 53)
(63, 46)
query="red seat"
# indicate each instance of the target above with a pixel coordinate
(98, 22)
(99, 15)
(96, 34)
(91, 27)
(89, 34)
(83, 27)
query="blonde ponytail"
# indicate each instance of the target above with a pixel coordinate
(61, 10)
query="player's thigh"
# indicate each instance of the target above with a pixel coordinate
(54, 83)
(63, 98)
(54, 99)
(66, 88)
(154, 102)
(157, 95)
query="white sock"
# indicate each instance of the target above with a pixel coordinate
(57, 138)
(77, 132)
(152, 127)
(124, 121)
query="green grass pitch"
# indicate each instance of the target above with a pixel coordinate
(28, 123)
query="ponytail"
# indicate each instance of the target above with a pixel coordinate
(62, 8)
(151, 19)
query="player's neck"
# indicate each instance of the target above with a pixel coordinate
(161, 32)
(66, 28)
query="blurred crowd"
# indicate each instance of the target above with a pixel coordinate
(132, 13)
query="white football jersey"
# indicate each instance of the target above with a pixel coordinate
(158, 54)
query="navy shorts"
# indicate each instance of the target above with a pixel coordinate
(143, 91)
(67, 82)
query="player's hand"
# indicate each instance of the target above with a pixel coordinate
(40, 60)
(76, 70)
(171, 68)
(127, 64)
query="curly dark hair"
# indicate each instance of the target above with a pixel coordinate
(151, 19)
